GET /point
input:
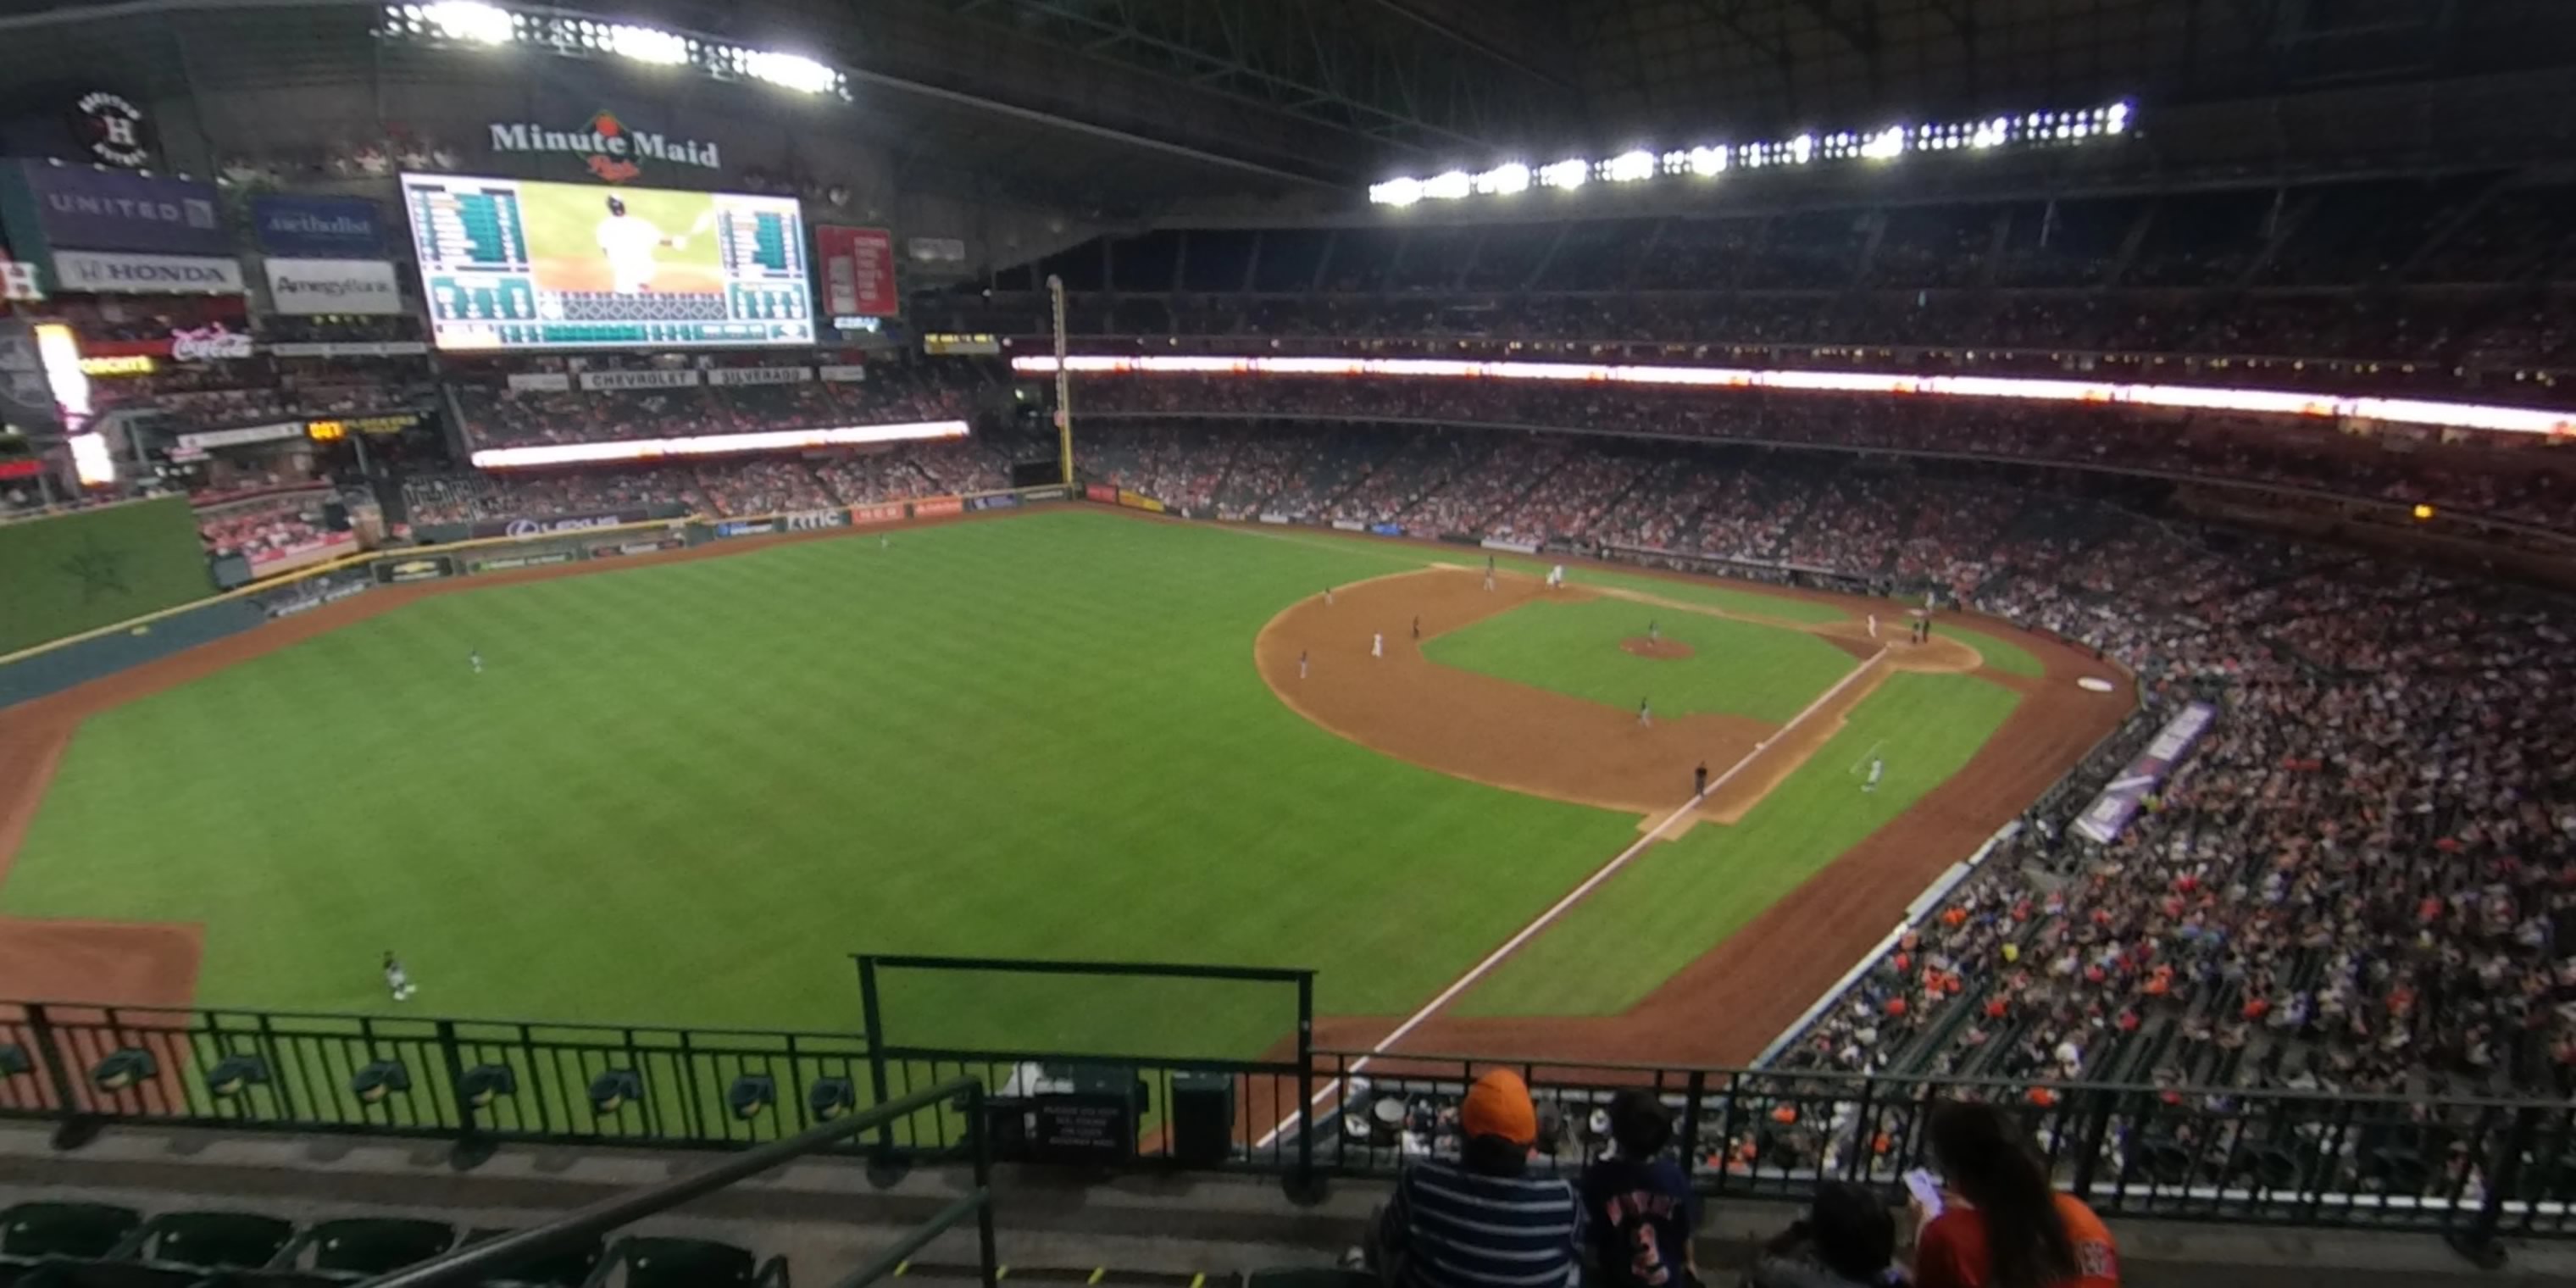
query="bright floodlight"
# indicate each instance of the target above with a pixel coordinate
(1629, 167)
(2118, 121)
(1395, 192)
(470, 20)
(1449, 186)
(1886, 145)
(1802, 149)
(1509, 177)
(1705, 162)
(646, 45)
(789, 71)
(1569, 173)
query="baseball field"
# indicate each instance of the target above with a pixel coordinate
(682, 790)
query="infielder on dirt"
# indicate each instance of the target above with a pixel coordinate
(1645, 715)
(1556, 577)
(1377, 644)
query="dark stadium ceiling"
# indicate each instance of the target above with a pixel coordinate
(1127, 109)
(1398, 83)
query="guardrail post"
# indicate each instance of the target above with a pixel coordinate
(881, 1165)
(2102, 1107)
(472, 1148)
(1304, 1187)
(1860, 1154)
(988, 1260)
(2478, 1243)
(74, 1128)
(1691, 1093)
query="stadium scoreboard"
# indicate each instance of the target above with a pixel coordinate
(519, 264)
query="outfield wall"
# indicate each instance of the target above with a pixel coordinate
(133, 639)
(68, 573)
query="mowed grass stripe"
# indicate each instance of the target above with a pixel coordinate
(1573, 647)
(681, 794)
(2000, 653)
(1680, 899)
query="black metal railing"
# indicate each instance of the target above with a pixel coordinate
(2459, 1166)
(585, 1228)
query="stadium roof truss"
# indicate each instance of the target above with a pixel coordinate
(1407, 75)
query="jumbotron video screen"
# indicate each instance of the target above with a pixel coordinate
(522, 264)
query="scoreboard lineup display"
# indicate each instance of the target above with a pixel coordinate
(519, 264)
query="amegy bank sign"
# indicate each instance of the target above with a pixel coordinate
(612, 150)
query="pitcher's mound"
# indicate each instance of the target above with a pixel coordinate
(1667, 650)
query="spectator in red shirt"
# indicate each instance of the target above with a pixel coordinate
(2013, 1231)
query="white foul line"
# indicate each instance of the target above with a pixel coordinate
(1572, 897)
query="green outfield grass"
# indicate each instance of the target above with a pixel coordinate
(1572, 647)
(1682, 898)
(681, 795)
(2000, 653)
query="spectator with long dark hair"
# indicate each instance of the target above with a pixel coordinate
(1846, 1240)
(2015, 1231)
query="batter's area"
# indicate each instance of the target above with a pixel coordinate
(1355, 666)
(1723, 1008)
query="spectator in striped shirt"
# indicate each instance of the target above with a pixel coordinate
(1483, 1221)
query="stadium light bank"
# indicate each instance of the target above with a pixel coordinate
(2271, 402)
(2023, 131)
(472, 22)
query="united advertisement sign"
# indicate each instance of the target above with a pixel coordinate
(111, 231)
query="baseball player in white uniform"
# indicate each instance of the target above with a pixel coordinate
(628, 242)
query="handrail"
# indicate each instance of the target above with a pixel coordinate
(575, 1229)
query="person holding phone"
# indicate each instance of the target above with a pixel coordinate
(2012, 1230)
(1846, 1240)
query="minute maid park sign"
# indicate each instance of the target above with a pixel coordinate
(613, 151)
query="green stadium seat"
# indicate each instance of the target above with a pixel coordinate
(214, 1240)
(110, 1274)
(684, 1263)
(65, 1229)
(367, 1245)
(1309, 1277)
(561, 1270)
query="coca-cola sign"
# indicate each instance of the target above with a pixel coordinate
(209, 344)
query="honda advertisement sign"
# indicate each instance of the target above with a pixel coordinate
(318, 227)
(858, 271)
(316, 287)
(108, 273)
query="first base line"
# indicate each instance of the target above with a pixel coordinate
(1572, 897)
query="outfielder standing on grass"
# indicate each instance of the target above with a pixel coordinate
(1877, 770)
(474, 658)
(396, 979)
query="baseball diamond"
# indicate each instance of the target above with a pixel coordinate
(746, 754)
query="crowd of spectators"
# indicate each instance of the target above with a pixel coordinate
(754, 486)
(264, 529)
(2364, 881)
(497, 415)
(2428, 285)
(2504, 481)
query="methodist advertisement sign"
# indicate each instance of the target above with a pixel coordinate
(111, 231)
(318, 227)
